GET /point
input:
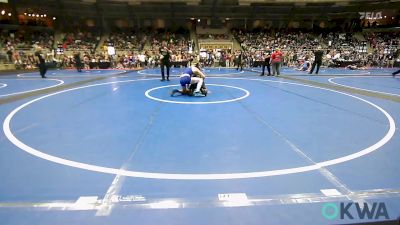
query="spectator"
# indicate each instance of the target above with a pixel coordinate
(276, 61)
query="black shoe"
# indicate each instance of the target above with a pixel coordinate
(262, 74)
(167, 79)
(162, 79)
(44, 77)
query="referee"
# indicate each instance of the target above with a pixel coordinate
(78, 62)
(239, 61)
(396, 55)
(317, 61)
(266, 63)
(41, 63)
(165, 58)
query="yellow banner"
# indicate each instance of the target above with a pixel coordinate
(210, 46)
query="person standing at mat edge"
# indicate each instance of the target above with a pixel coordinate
(239, 60)
(276, 60)
(318, 60)
(41, 63)
(78, 62)
(165, 56)
(396, 56)
(266, 63)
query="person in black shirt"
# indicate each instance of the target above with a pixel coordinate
(165, 58)
(239, 59)
(396, 55)
(41, 64)
(318, 60)
(78, 62)
(267, 59)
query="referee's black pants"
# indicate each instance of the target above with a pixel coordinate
(163, 65)
(315, 63)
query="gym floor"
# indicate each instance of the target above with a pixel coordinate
(113, 147)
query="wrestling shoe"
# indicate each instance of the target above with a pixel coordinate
(204, 91)
(198, 94)
(173, 92)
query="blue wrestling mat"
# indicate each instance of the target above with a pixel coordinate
(106, 146)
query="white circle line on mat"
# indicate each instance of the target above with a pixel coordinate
(330, 80)
(60, 82)
(208, 176)
(24, 75)
(246, 94)
(366, 73)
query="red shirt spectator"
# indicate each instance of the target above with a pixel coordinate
(277, 56)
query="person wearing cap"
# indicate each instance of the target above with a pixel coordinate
(276, 60)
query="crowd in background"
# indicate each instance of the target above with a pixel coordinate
(141, 49)
(149, 57)
(127, 41)
(15, 46)
(85, 40)
(178, 43)
(24, 40)
(338, 47)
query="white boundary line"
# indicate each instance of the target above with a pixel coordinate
(233, 199)
(366, 73)
(3, 85)
(247, 94)
(23, 75)
(213, 176)
(330, 80)
(22, 92)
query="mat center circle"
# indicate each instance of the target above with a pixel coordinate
(219, 93)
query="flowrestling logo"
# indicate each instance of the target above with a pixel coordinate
(350, 210)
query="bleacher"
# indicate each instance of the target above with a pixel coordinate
(18, 47)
